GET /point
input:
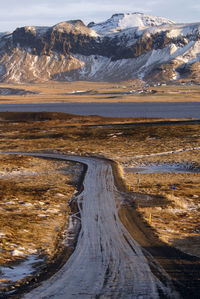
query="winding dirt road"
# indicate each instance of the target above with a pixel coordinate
(107, 261)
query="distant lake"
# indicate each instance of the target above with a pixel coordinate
(162, 110)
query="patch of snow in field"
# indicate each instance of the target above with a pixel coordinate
(169, 230)
(176, 211)
(28, 204)
(10, 202)
(54, 211)
(42, 215)
(17, 272)
(170, 152)
(17, 252)
(17, 173)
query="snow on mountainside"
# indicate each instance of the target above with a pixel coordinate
(126, 46)
(120, 22)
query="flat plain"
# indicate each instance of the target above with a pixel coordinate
(128, 91)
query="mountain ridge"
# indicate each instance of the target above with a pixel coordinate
(156, 50)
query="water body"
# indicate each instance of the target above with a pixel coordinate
(155, 110)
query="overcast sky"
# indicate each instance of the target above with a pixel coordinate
(18, 13)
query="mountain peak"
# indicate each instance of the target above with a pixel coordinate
(74, 26)
(123, 21)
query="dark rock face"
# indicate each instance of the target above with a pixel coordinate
(190, 71)
(68, 41)
(26, 38)
(54, 39)
(161, 73)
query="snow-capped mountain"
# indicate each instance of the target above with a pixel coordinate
(123, 21)
(126, 46)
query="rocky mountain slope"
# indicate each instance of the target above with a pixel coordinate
(126, 46)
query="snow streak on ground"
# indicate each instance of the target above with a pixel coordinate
(19, 271)
(107, 262)
(181, 150)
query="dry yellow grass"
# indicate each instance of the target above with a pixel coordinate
(33, 207)
(106, 92)
(176, 215)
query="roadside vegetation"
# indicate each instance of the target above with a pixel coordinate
(33, 205)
